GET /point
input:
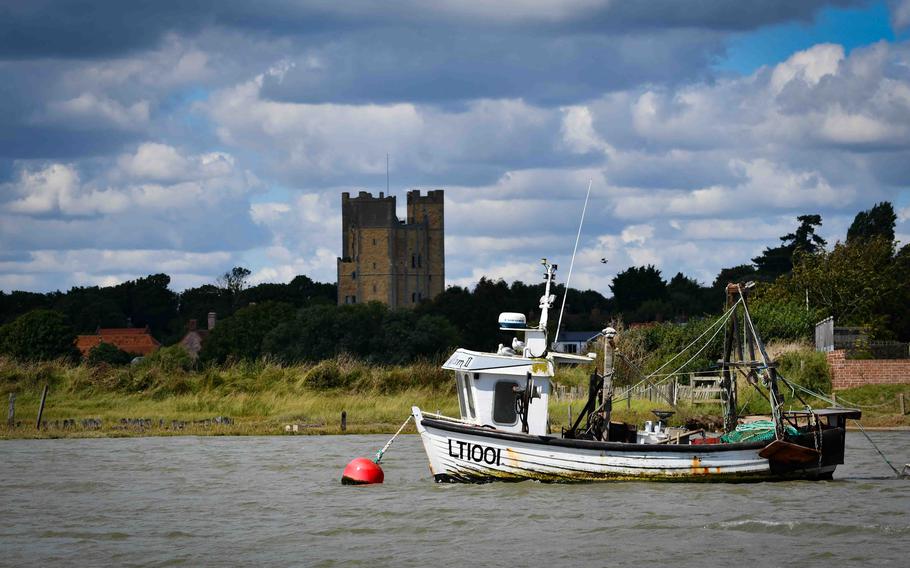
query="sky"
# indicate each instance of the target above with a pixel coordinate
(190, 137)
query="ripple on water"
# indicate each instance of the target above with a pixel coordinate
(278, 501)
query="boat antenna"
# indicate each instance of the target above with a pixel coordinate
(572, 264)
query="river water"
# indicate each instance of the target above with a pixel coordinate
(277, 501)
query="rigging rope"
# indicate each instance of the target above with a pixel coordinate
(721, 320)
(572, 264)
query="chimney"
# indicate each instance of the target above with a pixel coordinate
(191, 326)
(212, 318)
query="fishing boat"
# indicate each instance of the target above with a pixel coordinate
(503, 431)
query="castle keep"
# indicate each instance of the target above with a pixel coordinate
(387, 260)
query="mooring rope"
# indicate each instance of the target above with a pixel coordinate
(863, 430)
(858, 423)
(389, 443)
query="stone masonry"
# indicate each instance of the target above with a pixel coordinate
(384, 259)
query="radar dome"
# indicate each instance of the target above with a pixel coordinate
(512, 320)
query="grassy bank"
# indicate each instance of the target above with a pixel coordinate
(265, 397)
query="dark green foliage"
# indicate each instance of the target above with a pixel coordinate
(736, 275)
(148, 301)
(778, 321)
(663, 341)
(640, 293)
(170, 359)
(777, 261)
(241, 335)
(326, 375)
(196, 303)
(806, 368)
(16, 303)
(876, 222)
(368, 331)
(40, 335)
(108, 354)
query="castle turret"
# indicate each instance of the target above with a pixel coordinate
(399, 263)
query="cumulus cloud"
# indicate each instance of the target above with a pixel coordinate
(89, 111)
(227, 132)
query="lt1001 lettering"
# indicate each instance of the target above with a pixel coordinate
(474, 452)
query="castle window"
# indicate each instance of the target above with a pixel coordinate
(413, 298)
(354, 275)
(353, 299)
(430, 278)
(413, 261)
(374, 266)
(374, 242)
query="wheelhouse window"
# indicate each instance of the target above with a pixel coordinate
(465, 385)
(504, 403)
(459, 387)
(469, 379)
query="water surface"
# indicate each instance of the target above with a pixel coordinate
(277, 501)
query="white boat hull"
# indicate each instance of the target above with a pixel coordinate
(464, 453)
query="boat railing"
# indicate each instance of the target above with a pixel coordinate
(437, 416)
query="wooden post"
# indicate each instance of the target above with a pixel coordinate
(41, 408)
(11, 414)
(344, 420)
(834, 398)
(570, 416)
(900, 399)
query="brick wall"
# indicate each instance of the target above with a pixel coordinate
(848, 373)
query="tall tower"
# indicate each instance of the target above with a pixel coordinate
(398, 263)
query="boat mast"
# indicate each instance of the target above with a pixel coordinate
(547, 299)
(770, 372)
(728, 383)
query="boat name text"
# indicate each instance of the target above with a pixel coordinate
(474, 452)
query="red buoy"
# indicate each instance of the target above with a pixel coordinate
(362, 471)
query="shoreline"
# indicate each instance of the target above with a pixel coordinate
(250, 429)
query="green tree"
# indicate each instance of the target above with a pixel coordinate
(637, 285)
(39, 335)
(241, 335)
(233, 282)
(777, 261)
(735, 274)
(855, 283)
(109, 354)
(876, 222)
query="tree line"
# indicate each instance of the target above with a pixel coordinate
(862, 281)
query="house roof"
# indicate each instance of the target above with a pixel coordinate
(130, 339)
(576, 336)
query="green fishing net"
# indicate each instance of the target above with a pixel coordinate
(758, 431)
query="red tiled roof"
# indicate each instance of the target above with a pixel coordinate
(130, 339)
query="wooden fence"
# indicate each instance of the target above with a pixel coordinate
(701, 389)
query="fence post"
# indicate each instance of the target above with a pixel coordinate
(41, 408)
(11, 414)
(900, 398)
(344, 420)
(569, 424)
